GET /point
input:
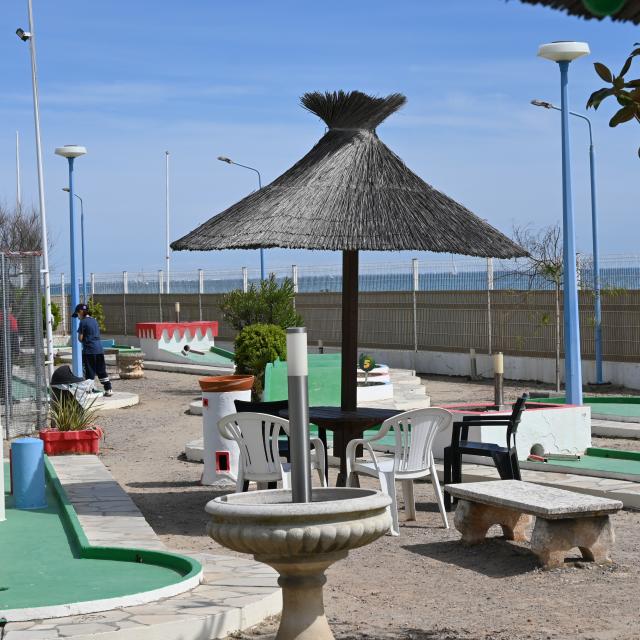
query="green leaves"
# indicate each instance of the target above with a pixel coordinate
(68, 414)
(255, 347)
(626, 93)
(603, 72)
(271, 303)
(623, 115)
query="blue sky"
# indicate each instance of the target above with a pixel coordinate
(129, 80)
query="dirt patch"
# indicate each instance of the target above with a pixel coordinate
(422, 585)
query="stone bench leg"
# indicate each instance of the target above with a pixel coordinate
(473, 520)
(553, 539)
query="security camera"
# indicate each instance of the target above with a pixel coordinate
(23, 35)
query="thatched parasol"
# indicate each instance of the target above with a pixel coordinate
(629, 12)
(350, 193)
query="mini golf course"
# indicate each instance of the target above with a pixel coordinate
(48, 568)
(624, 408)
(597, 461)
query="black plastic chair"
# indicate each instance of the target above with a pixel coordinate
(504, 458)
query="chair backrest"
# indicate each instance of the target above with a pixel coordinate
(516, 415)
(415, 432)
(257, 438)
(272, 408)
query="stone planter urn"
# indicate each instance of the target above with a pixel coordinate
(300, 541)
(130, 364)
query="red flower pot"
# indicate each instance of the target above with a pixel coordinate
(61, 442)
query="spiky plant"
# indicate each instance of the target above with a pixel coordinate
(67, 414)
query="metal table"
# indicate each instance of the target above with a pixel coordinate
(346, 426)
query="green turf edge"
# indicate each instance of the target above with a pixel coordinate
(593, 399)
(222, 352)
(188, 567)
(601, 452)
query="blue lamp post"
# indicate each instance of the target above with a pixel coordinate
(71, 152)
(596, 245)
(244, 166)
(84, 276)
(563, 53)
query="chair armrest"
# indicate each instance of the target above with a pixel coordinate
(351, 453)
(486, 417)
(474, 421)
(459, 431)
(316, 443)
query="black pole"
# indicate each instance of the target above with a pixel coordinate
(349, 397)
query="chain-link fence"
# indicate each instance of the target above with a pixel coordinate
(22, 375)
(449, 304)
(455, 273)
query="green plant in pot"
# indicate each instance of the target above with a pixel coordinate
(67, 413)
(73, 426)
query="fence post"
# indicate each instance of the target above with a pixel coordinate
(160, 290)
(92, 280)
(125, 291)
(294, 278)
(416, 285)
(245, 280)
(489, 290)
(63, 304)
(200, 292)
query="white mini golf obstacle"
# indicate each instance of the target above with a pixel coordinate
(221, 456)
(173, 341)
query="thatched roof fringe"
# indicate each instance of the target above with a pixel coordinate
(353, 110)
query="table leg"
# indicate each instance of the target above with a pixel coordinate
(340, 451)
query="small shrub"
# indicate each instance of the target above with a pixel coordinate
(270, 303)
(96, 310)
(256, 346)
(55, 316)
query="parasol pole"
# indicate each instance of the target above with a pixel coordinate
(349, 390)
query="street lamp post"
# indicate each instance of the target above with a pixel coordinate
(30, 37)
(244, 166)
(563, 53)
(596, 245)
(84, 279)
(71, 152)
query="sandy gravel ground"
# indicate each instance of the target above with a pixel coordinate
(421, 585)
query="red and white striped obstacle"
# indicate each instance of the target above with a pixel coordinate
(171, 341)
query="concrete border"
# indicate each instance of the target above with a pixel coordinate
(615, 429)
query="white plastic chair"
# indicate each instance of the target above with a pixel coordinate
(414, 433)
(257, 437)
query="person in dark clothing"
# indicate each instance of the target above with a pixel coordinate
(92, 352)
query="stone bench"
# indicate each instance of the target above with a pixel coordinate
(564, 519)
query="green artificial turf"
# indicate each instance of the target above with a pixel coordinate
(625, 406)
(45, 559)
(606, 460)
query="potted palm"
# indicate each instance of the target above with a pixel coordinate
(73, 428)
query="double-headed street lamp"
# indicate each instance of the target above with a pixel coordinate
(564, 53)
(596, 244)
(84, 279)
(244, 166)
(71, 152)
